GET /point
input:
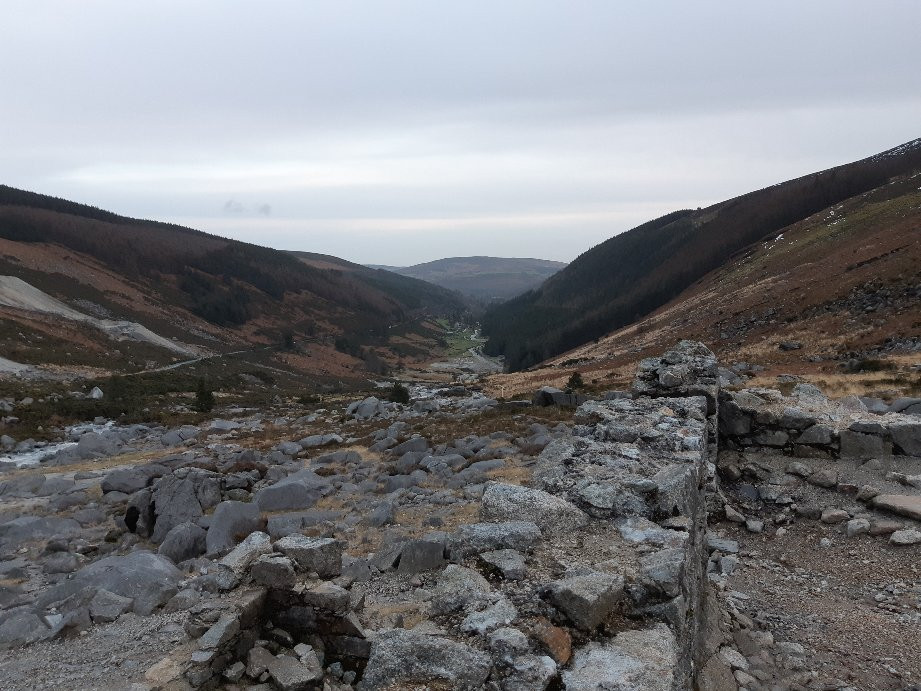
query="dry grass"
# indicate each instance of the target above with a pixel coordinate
(133, 458)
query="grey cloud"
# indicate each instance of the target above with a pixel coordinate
(412, 110)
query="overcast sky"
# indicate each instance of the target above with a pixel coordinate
(400, 132)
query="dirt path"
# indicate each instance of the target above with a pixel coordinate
(842, 612)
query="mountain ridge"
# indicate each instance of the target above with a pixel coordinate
(629, 275)
(204, 292)
(483, 277)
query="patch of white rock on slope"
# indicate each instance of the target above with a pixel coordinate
(16, 293)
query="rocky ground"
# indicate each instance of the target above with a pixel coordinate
(466, 541)
(824, 591)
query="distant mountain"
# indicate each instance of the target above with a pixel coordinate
(83, 286)
(628, 276)
(414, 293)
(484, 278)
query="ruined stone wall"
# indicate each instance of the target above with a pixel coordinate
(808, 425)
(594, 573)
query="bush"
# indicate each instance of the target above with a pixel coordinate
(398, 394)
(575, 381)
(204, 397)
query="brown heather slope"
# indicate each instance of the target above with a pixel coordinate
(845, 283)
(628, 276)
(211, 294)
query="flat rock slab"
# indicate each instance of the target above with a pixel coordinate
(503, 502)
(406, 659)
(631, 661)
(902, 504)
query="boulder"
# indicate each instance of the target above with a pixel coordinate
(130, 480)
(300, 490)
(485, 537)
(861, 445)
(816, 434)
(243, 555)
(407, 659)
(905, 537)
(146, 578)
(28, 528)
(292, 674)
(230, 523)
(662, 572)
(414, 444)
(902, 504)
(322, 555)
(509, 563)
(20, 627)
(733, 421)
(907, 437)
(273, 571)
(421, 555)
(175, 502)
(587, 599)
(499, 614)
(366, 409)
(317, 440)
(107, 606)
(640, 660)
(906, 406)
(289, 448)
(460, 588)
(95, 445)
(502, 502)
(185, 541)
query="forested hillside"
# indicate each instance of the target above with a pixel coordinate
(630, 275)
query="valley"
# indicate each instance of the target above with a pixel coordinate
(234, 467)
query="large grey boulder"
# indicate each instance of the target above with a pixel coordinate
(146, 578)
(316, 440)
(106, 606)
(460, 588)
(816, 434)
(366, 409)
(476, 538)
(662, 572)
(243, 555)
(549, 395)
(642, 660)
(860, 445)
(22, 487)
(733, 420)
(175, 502)
(300, 490)
(502, 502)
(406, 659)
(907, 437)
(231, 522)
(95, 445)
(273, 571)
(130, 480)
(322, 555)
(185, 541)
(906, 406)
(27, 528)
(421, 555)
(21, 627)
(291, 674)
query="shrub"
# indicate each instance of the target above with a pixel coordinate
(204, 397)
(398, 394)
(575, 381)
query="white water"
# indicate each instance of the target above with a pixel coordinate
(47, 450)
